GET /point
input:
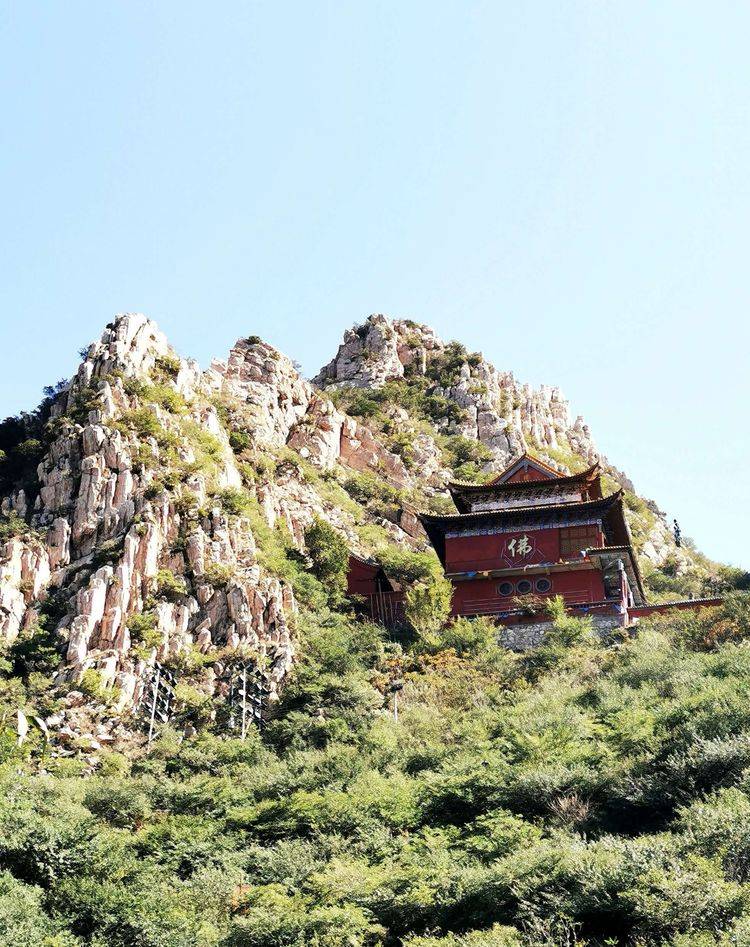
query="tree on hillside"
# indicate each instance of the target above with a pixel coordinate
(329, 555)
(428, 605)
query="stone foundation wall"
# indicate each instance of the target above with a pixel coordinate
(525, 637)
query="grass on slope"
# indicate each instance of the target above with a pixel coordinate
(582, 793)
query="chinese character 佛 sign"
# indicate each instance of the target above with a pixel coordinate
(518, 547)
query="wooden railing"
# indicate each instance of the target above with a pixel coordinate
(387, 608)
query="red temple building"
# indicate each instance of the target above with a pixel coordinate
(366, 579)
(532, 531)
(528, 534)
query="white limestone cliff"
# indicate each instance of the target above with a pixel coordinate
(128, 517)
(126, 496)
(506, 416)
(104, 528)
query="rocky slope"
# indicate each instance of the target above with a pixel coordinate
(128, 556)
(151, 511)
(130, 535)
(466, 397)
(496, 410)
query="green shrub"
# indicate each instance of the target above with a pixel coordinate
(187, 503)
(141, 421)
(466, 457)
(269, 916)
(165, 396)
(428, 605)
(90, 684)
(234, 501)
(189, 662)
(328, 552)
(194, 706)
(499, 935)
(169, 586)
(35, 650)
(414, 394)
(406, 566)
(364, 487)
(23, 920)
(143, 630)
(11, 525)
(205, 444)
(167, 366)
(240, 441)
(218, 574)
(121, 804)
(469, 636)
(85, 400)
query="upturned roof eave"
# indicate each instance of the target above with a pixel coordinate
(434, 518)
(463, 486)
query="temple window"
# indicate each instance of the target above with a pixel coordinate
(574, 539)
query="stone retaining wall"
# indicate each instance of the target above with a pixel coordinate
(525, 637)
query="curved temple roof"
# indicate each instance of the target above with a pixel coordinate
(583, 476)
(463, 493)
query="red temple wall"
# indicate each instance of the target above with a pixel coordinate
(480, 553)
(479, 596)
(517, 549)
(523, 476)
(360, 577)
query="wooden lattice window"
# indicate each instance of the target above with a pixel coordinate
(573, 539)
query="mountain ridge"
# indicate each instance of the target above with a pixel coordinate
(152, 510)
(204, 740)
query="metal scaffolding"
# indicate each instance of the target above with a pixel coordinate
(157, 700)
(247, 698)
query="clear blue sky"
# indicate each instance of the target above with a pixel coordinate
(561, 185)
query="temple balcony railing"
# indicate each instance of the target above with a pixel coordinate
(518, 616)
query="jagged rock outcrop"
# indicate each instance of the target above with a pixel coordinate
(24, 576)
(499, 412)
(108, 540)
(377, 351)
(505, 416)
(271, 400)
(285, 410)
(133, 546)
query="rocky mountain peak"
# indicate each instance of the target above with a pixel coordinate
(122, 545)
(130, 343)
(377, 351)
(492, 408)
(132, 500)
(154, 512)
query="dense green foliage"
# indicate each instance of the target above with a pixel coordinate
(329, 557)
(588, 792)
(428, 607)
(416, 394)
(583, 793)
(22, 443)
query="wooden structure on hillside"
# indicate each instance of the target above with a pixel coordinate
(531, 533)
(383, 596)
